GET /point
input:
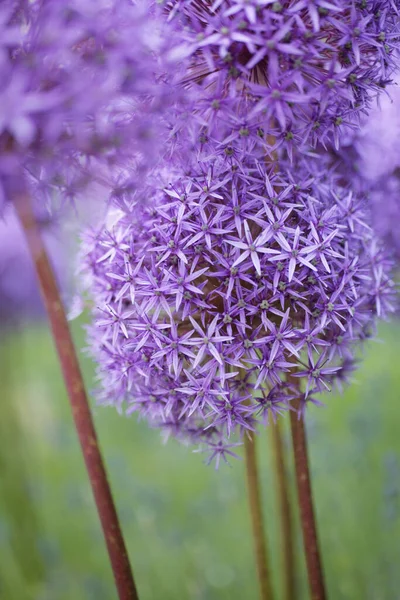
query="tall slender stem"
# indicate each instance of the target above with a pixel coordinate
(304, 492)
(283, 493)
(79, 403)
(254, 492)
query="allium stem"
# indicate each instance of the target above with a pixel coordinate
(79, 403)
(283, 494)
(304, 492)
(254, 492)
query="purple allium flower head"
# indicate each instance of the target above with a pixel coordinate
(231, 280)
(80, 94)
(298, 71)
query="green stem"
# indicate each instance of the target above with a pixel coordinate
(283, 496)
(79, 403)
(254, 493)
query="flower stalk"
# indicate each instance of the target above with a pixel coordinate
(254, 493)
(305, 499)
(283, 495)
(79, 403)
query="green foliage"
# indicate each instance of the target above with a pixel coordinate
(187, 526)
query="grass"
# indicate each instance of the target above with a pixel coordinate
(187, 526)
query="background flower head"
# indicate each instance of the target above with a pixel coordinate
(369, 160)
(80, 95)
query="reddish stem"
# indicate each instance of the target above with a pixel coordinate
(79, 403)
(304, 492)
(254, 492)
(283, 493)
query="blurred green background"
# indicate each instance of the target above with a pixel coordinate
(187, 526)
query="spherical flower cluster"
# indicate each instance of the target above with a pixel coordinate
(233, 285)
(80, 94)
(297, 71)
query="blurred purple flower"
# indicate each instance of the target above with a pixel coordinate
(80, 95)
(378, 141)
(370, 160)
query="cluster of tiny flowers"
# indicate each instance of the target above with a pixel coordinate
(370, 160)
(81, 95)
(244, 272)
(282, 74)
(232, 285)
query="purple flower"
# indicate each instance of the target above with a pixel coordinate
(284, 276)
(220, 450)
(282, 74)
(370, 159)
(81, 95)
